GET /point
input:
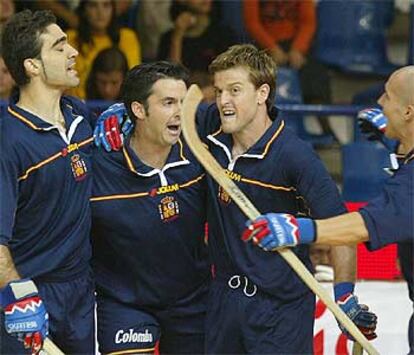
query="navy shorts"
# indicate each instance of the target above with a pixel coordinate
(243, 320)
(179, 328)
(71, 307)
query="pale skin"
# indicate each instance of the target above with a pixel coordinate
(49, 77)
(158, 127)
(398, 105)
(243, 114)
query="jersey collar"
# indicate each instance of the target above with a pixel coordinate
(260, 149)
(36, 123)
(135, 165)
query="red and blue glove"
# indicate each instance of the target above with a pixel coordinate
(372, 123)
(25, 315)
(275, 230)
(365, 320)
(112, 126)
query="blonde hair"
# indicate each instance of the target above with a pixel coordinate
(261, 66)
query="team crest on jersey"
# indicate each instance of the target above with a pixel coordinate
(223, 196)
(168, 209)
(78, 166)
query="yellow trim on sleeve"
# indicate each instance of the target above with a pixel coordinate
(120, 197)
(270, 186)
(191, 182)
(280, 128)
(132, 351)
(50, 159)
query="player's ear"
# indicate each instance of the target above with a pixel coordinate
(32, 67)
(138, 110)
(409, 113)
(263, 93)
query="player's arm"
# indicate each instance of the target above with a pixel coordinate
(25, 316)
(348, 229)
(8, 271)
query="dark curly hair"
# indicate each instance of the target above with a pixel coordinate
(21, 40)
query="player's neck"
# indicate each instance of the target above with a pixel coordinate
(407, 140)
(45, 105)
(149, 153)
(248, 136)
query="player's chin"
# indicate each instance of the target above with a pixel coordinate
(228, 128)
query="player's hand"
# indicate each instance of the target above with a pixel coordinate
(365, 320)
(275, 230)
(25, 315)
(112, 126)
(373, 123)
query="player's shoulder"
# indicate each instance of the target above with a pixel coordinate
(291, 144)
(76, 105)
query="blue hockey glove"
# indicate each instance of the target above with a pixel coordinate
(275, 230)
(111, 127)
(372, 123)
(25, 315)
(365, 320)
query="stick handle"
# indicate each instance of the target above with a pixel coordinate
(357, 349)
(51, 348)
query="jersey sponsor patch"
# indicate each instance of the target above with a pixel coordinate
(131, 336)
(78, 165)
(168, 209)
(164, 189)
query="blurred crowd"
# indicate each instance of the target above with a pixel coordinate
(109, 34)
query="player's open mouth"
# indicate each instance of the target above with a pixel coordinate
(71, 69)
(174, 128)
(228, 114)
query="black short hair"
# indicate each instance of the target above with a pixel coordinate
(139, 81)
(21, 40)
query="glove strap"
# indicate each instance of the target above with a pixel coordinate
(17, 290)
(307, 230)
(342, 289)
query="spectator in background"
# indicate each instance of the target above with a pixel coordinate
(7, 9)
(286, 29)
(108, 72)
(64, 10)
(98, 30)
(6, 81)
(153, 20)
(195, 40)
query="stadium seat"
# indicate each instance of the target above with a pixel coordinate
(288, 91)
(363, 166)
(351, 35)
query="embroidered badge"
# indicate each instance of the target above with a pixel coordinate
(168, 209)
(223, 196)
(78, 166)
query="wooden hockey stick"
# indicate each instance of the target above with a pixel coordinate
(51, 348)
(191, 101)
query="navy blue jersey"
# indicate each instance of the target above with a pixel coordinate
(280, 173)
(148, 227)
(389, 217)
(45, 185)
